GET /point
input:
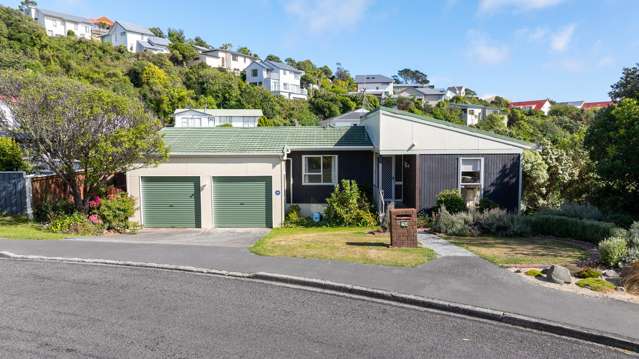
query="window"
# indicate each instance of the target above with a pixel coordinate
(471, 180)
(319, 170)
(234, 57)
(285, 86)
(254, 72)
(285, 72)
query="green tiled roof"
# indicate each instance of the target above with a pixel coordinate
(261, 139)
(461, 127)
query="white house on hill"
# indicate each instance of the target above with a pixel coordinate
(135, 38)
(426, 94)
(216, 117)
(378, 85)
(279, 78)
(59, 24)
(226, 59)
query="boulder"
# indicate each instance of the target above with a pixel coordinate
(559, 274)
(609, 273)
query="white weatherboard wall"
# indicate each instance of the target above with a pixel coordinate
(207, 167)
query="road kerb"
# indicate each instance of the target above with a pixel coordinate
(518, 320)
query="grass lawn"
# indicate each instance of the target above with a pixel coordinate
(21, 228)
(340, 244)
(532, 250)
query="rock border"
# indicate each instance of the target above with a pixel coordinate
(517, 320)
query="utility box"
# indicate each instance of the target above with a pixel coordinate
(403, 227)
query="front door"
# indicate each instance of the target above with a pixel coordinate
(391, 177)
(387, 177)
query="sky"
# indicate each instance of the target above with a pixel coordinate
(564, 50)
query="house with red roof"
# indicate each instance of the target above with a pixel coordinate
(596, 105)
(537, 105)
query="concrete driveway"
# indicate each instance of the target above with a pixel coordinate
(236, 237)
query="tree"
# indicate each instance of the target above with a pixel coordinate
(271, 57)
(627, 86)
(11, 155)
(26, 5)
(408, 76)
(157, 32)
(535, 180)
(442, 111)
(470, 93)
(226, 46)
(198, 41)
(493, 122)
(500, 102)
(246, 51)
(68, 125)
(613, 143)
(342, 74)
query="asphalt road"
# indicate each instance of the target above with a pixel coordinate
(50, 309)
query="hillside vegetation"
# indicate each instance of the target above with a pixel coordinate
(165, 82)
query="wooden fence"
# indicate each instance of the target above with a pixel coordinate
(13, 193)
(20, 194)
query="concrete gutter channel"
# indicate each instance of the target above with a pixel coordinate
(517, 320)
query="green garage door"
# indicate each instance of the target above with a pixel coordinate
(242, 202)
(171, 202)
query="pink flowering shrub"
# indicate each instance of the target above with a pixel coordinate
(95, 202)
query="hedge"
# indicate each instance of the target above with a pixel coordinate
(579, 229)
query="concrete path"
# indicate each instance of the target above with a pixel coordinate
(442, 247)
(459, 279)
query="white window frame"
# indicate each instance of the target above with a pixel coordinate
(461, 185)
(321, 172)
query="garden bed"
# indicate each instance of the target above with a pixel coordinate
(344, 244)
(574, 288)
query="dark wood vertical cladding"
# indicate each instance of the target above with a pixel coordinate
(438, 172)
(410, 182)
(353, 165)
(501, 178)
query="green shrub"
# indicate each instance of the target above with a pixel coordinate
(575, 210)
(115, 212)
(348, 206)
(11, 155)
(534, 273)
(596, 284)
(47, 211)
(621, 219)
(75, 223)
(457, 224)
(423, 221)
(632, 241)
(579, 229)
(293, 215)
(499, 222)
(486, 204)
(613, 250)
(452, 200)
(588, 273)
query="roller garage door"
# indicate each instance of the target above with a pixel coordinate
(242, 202)
(171, 202)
